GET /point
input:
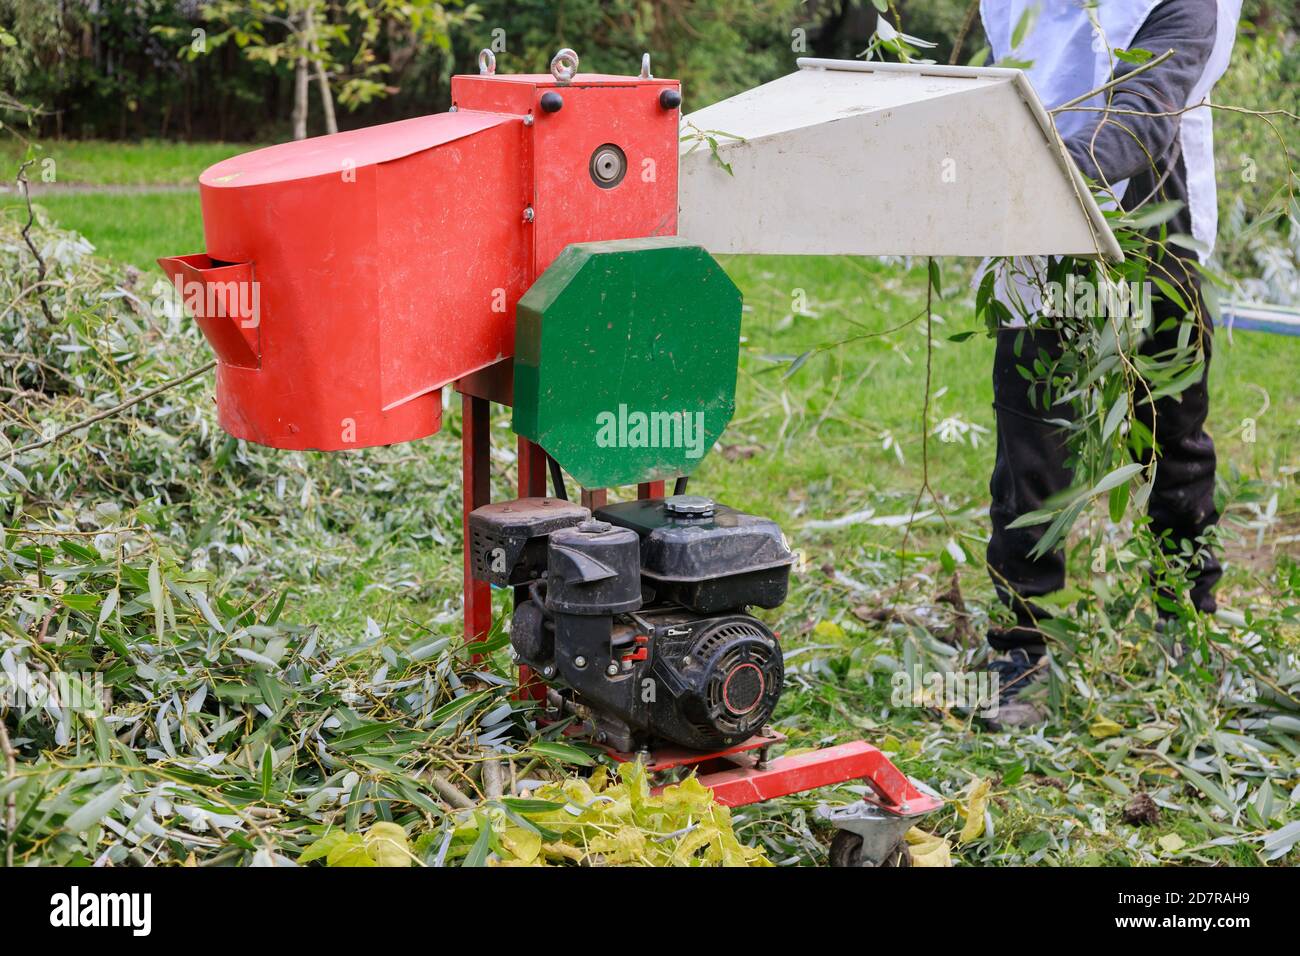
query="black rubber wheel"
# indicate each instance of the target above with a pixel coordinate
(846, 850)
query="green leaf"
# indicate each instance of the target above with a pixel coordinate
(478, 853)
(350, 852)
(1024, 25)
(1114, 479)
(563, 753)
(1153, 214)
(110, 602)
(1031, 518)
(94, 810)
(524, 805)
(81, 602)
(1189, 242)
(268, 771)
(322, 847)
(1114, 417)
(1135, 55)
(797, 363)
(1118, 503)
(156, 597)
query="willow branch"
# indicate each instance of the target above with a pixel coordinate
(1148, 65)
(121, 406)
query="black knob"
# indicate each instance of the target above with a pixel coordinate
(552, 102)
(670, 99)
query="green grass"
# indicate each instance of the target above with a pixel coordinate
(135, 228)
(101, 163)
(821, 428)
(132, 227)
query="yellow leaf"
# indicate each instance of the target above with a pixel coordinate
(386, 844)
(689, 796)
(622, 846)
(1171, 843)
(576, 854)
(829, 631)
(927, 849)
(349, 852)
(1104, 727)
(524, 844)
(974, 811)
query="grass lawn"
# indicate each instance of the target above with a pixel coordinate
(100, 163)
(135, 228)
(840, 436)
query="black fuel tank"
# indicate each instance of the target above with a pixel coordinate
(706, 556)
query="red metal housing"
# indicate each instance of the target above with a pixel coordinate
(378, 265)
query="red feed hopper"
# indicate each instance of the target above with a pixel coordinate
(347, 278)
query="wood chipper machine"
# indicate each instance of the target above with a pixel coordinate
(547, 245)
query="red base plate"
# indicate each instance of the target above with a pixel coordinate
(739, 775)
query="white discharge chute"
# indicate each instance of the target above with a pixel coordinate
(846, 157)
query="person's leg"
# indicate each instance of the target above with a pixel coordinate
(1181, 505)
(1029, 468)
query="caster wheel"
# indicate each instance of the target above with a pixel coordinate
(846, 850)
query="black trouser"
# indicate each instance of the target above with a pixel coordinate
(1030, 468)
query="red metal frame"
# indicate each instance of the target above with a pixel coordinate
(740, 786)
(476, 491)
(742, 774)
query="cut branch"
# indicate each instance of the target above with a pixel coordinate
(120, 407)
(27, 238)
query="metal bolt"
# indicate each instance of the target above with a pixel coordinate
(548, 670)
(529, 215)
(528, 119)
(612, 669)
(453, 108)
(579, 661)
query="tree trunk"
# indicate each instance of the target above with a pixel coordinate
(326, 96)
(300, 99)
(300, 78)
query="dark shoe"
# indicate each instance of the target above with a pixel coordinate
(1017, 672)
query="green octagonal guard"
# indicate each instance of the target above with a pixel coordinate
(625, 359)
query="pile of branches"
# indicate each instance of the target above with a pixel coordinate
(151, 720)
(157, 703)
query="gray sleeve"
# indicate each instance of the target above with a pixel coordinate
(1111, 148)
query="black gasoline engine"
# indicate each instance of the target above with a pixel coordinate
(636, 616)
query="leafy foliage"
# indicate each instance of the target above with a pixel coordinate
(162, 706)
(602, 820)
(201, 725)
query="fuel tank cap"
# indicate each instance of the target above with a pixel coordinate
(689, 506)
